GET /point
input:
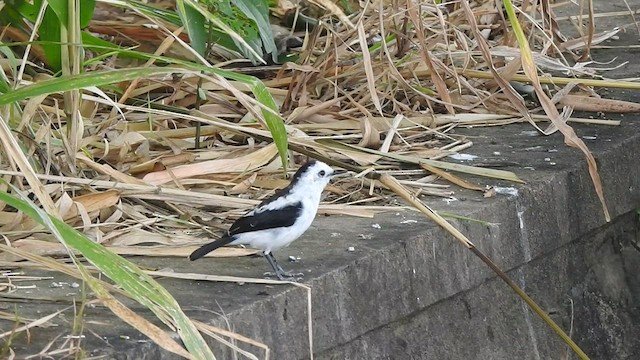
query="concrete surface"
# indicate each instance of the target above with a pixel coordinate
(409, 291)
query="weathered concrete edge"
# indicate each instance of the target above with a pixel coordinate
(587, 285)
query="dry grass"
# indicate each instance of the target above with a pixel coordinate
(381, 91)
(356, 96)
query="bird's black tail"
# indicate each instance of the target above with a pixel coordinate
(207, 248)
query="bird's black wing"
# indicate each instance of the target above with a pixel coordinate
(267, 219)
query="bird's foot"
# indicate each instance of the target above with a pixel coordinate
(284, 275)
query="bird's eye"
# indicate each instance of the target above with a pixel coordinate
(321, 173)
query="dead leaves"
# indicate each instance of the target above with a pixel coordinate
(384, 92)
(246, 163)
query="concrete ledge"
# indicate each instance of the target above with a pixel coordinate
(488, 322)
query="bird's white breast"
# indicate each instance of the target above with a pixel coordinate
(273, 239)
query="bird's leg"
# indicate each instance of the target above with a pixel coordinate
(274, 265)
(277, 269)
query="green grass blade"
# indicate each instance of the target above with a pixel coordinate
(527, 56)
(194, 22)
(99, 78)
(5, 84)
(80, 81)
(126, 274)
(273, 120)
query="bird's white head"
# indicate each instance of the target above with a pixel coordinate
(313, 176)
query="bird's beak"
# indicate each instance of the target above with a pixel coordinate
(337, 173)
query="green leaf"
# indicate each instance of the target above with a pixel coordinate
(55, 18)
(194, 22)
(61, 9)
(222, 34)
(86, 12)
(18, 11)
(274, 122)
(258, 11)
(49, 35)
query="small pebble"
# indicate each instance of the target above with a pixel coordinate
(506, 190)
(463, 157)
(529, 133)
(408, 221)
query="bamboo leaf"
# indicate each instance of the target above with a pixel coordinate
(194, 22)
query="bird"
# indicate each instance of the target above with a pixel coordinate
(281, 218)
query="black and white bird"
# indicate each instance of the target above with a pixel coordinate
(280, 219)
